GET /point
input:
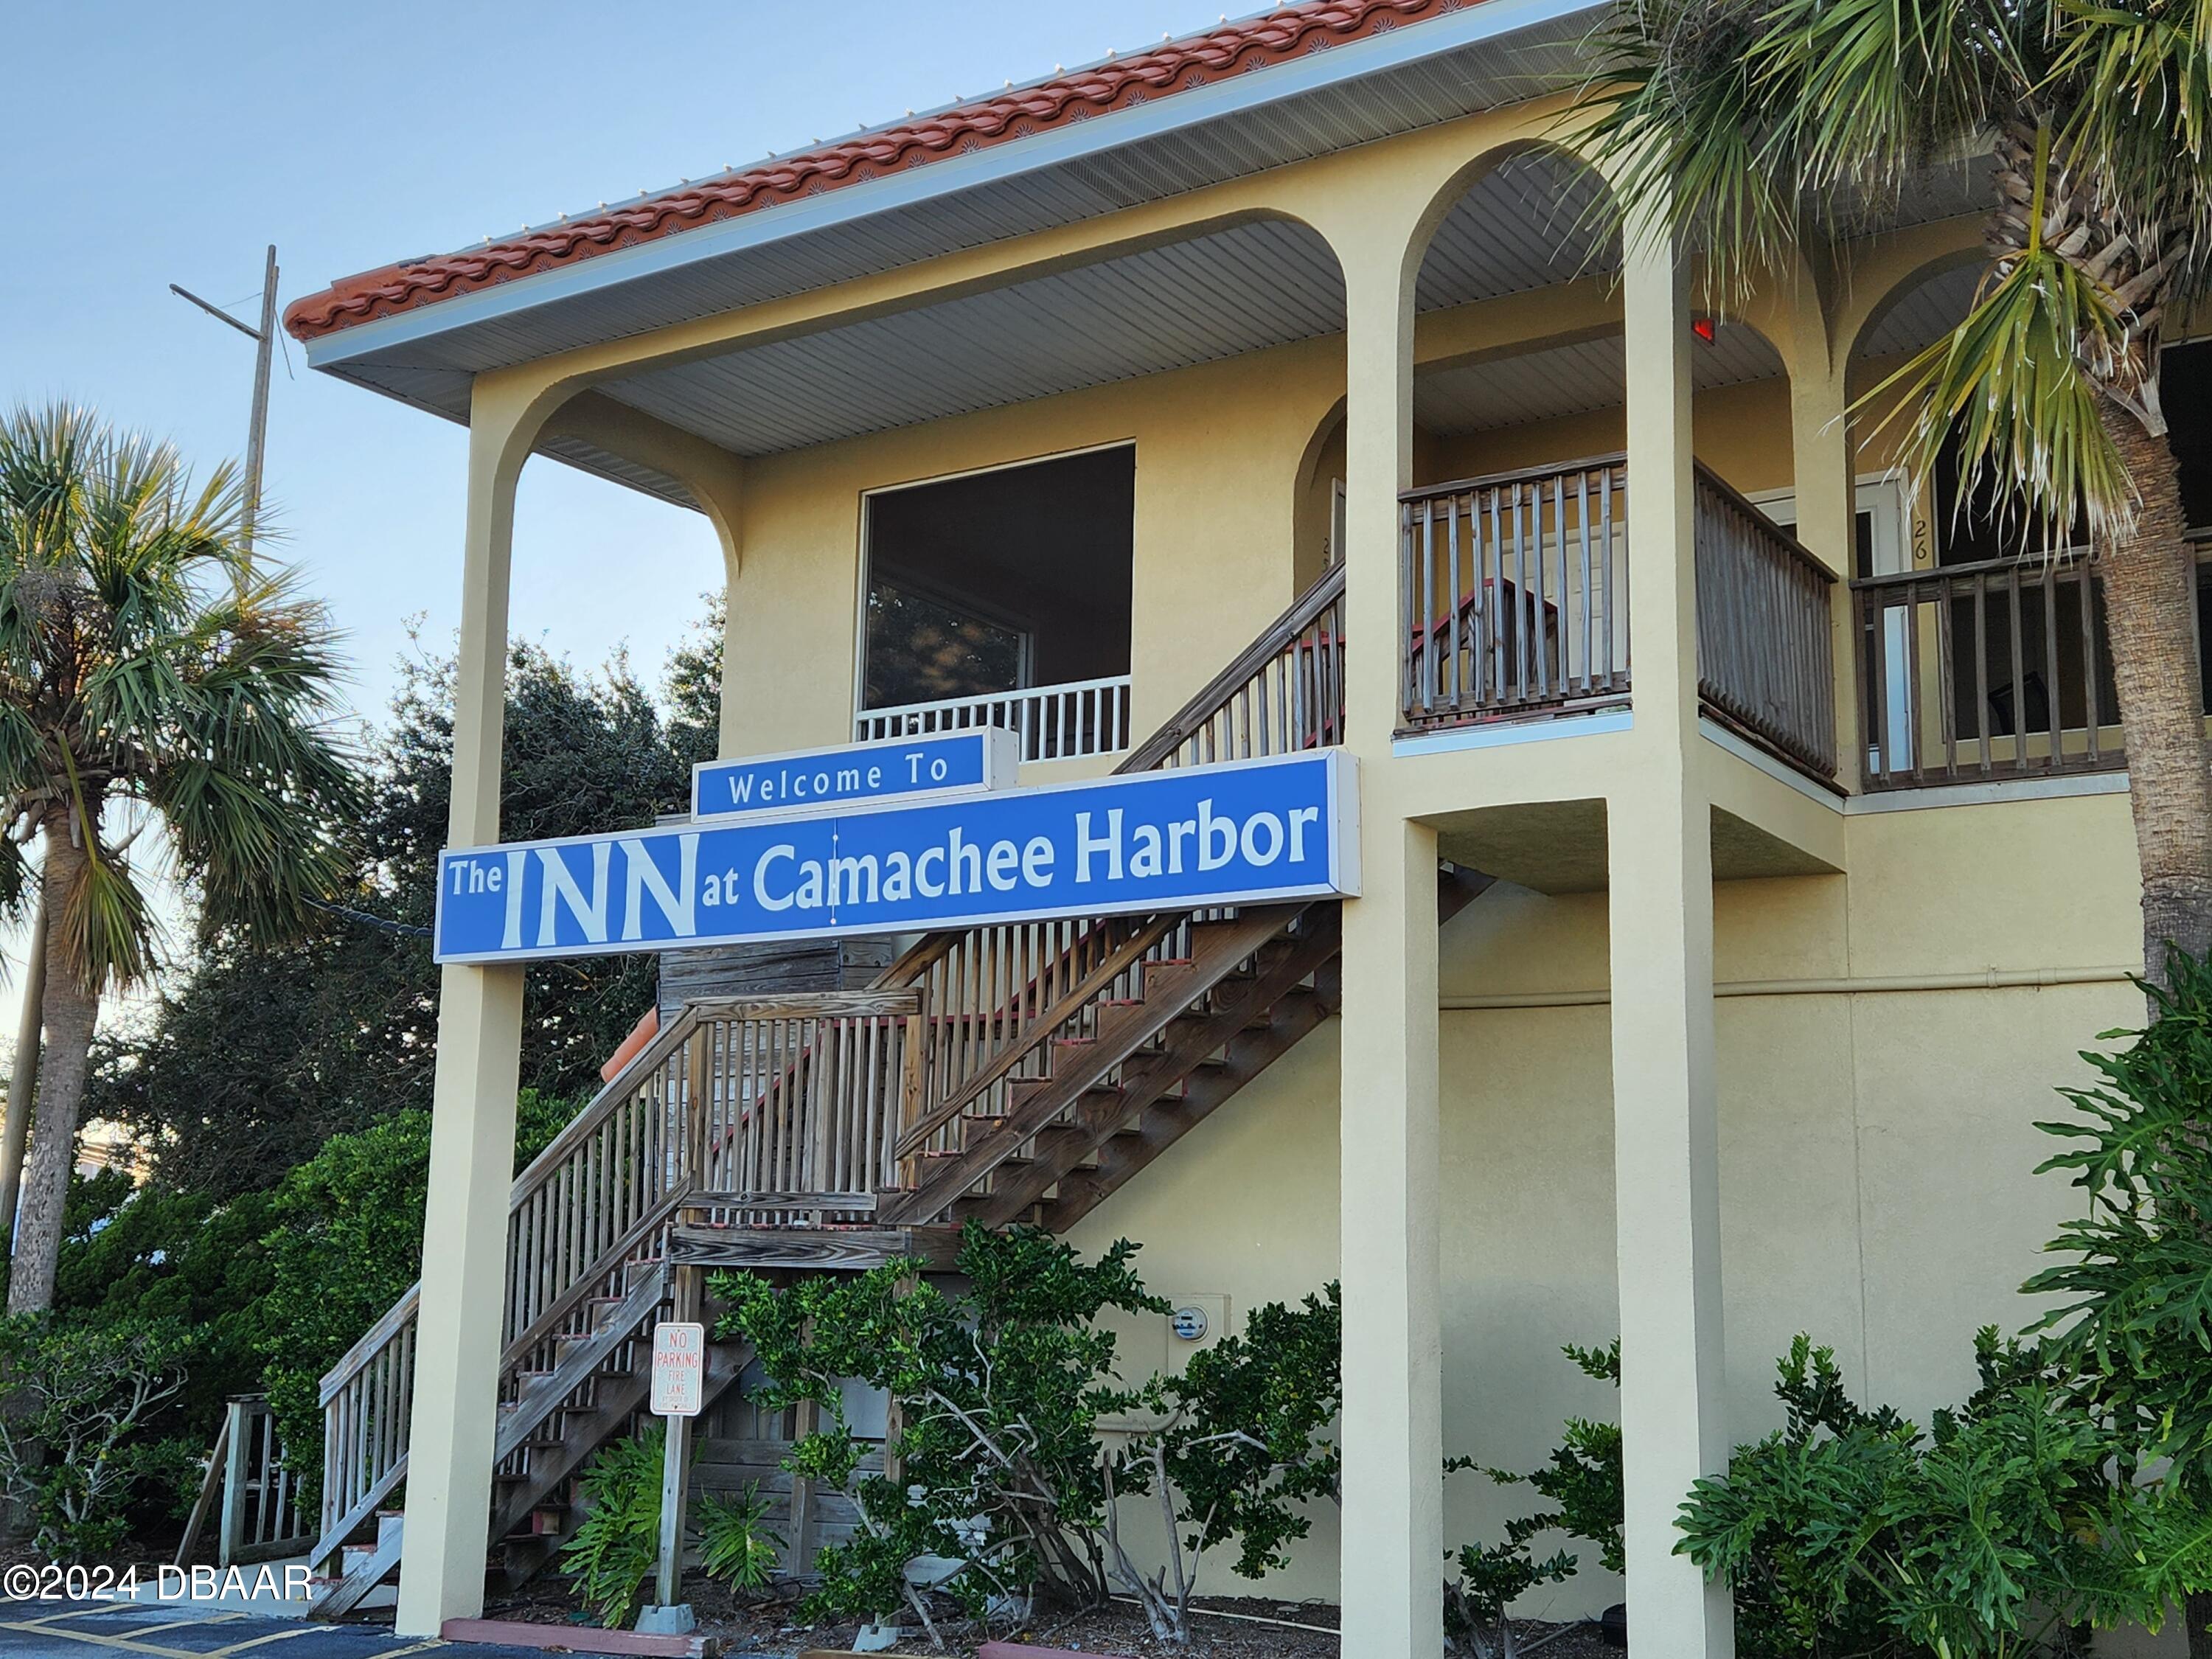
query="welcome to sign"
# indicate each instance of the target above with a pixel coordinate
(1242, 832)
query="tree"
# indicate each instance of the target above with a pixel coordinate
(1000, 1384)
(258, 1052)
(148, 674)
(1757, 128)
(1241, 1447)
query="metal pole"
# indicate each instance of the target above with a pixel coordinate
(23, 1084)
(256, 432)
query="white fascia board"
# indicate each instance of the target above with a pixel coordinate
(1394, 48)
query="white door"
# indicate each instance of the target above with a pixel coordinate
(1880, 550)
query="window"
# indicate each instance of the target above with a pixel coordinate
(999, 581)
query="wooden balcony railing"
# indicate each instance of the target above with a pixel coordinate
(1764, 661)
(1513, 594)
(1515, 601)
(1975, 671)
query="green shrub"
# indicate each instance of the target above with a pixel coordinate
(1583, 1478)
(1000, 1386)
(1249, 1443)
(618, 1545)
(1243, 1445)
(344, 1243)
(2134, 1320)
(617, 1548)
(155, 1253)
(1998, 1531)
(73, 1446)
(736, 1547)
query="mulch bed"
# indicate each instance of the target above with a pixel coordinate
(765, 1628)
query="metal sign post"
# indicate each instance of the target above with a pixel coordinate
(679, 1375)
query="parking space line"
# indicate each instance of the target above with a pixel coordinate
(418, 1647)
(303, 1629)
(93, 1638)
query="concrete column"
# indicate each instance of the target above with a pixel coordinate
(1666, 1169)
(1826, 495)
(1393, 1487)
(449, 1460)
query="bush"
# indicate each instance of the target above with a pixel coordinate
(1243, 1448)
(1001, 1387)
(2134, 1323)
(72, 1442)
(617, 1548)
(1999, 1530)
(345, 1242)
(736, 1547)
(1583, 1477)
(155, 1253)
(1250, 1444)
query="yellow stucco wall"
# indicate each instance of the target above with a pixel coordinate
(1220, 450)
(1876, 1147)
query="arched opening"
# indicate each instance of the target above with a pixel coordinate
(1985, 645)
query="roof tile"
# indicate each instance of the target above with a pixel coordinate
(1286, 33)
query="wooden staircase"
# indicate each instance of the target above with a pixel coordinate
(1011, 1073)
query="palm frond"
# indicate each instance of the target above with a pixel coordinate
(2011, 388)
(107, 935)
(1739, 129)
(143, 659)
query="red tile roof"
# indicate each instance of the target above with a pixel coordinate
(1288, 32)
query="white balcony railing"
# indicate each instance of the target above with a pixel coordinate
(1054, 722)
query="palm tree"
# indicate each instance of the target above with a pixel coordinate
(148, 676)
(1754, 126)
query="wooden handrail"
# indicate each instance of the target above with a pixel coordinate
(1420, 493)
(1275, 639)
(1782, 538)
(612, 1094)
(1117, 962)
(562, 1305)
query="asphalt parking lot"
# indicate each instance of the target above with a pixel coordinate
(82, 1630)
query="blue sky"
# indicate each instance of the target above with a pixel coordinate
(146, 143)
(153, 142)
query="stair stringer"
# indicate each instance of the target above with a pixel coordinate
(531, 1409)
(1124, 1124)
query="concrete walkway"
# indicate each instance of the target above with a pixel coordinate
(107, 1630)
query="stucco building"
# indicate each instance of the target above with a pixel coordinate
(1276, 389)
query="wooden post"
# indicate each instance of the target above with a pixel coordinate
(230, 1533)
(218, 1461)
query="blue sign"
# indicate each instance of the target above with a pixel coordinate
(1243, 832)
(947, 763)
